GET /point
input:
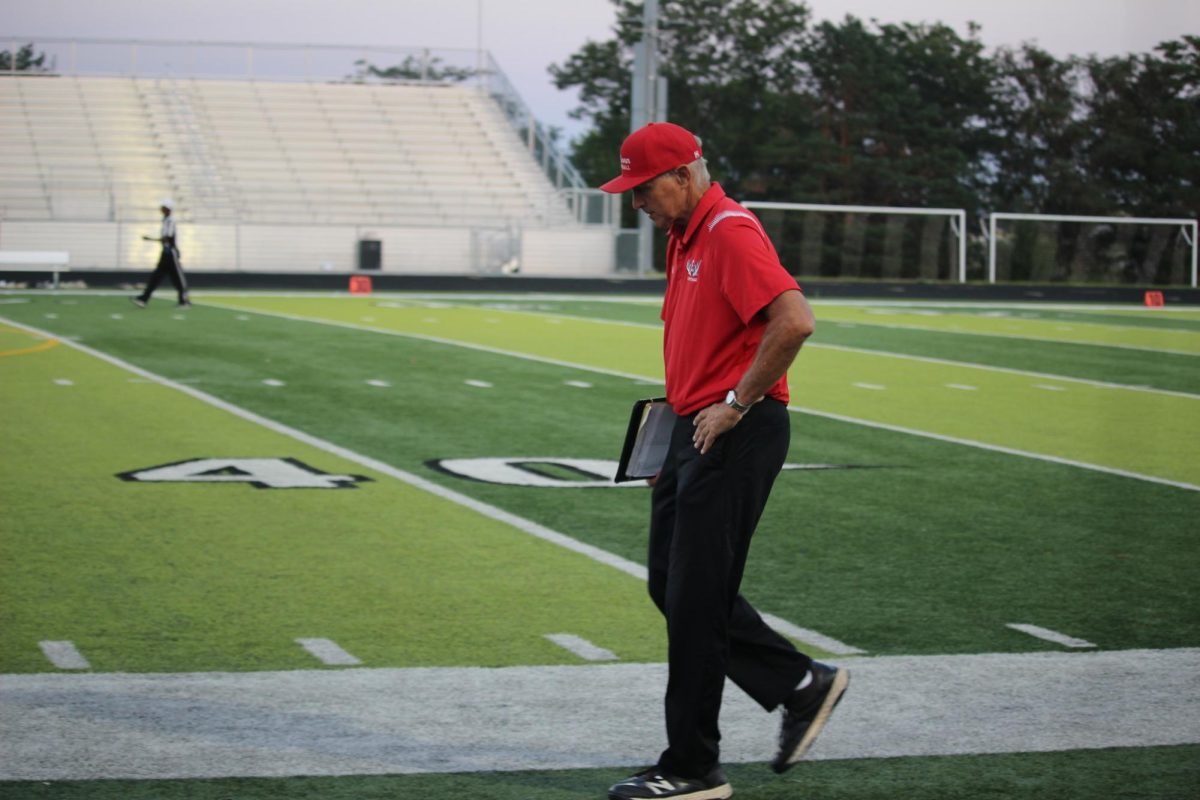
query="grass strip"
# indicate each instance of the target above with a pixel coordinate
(1149, 773)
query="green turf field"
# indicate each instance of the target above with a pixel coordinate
(992, 466)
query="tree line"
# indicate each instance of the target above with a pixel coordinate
(861, 112)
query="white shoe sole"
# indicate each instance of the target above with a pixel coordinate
(840, 681)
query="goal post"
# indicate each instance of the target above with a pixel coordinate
(910, 243)
(1065, 247)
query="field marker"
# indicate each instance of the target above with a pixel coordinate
(581, 647)
(578, 384)
(480, 384)
(872, 386)
(962, 386)
(1049, 387)
(379, 383)
(1049, 635)
(64, 381)
(328, 652)
(274, 382)
(118, 316)
(64, 655)
(52, 316)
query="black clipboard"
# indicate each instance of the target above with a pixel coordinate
(646, 440)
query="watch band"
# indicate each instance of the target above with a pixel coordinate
(732, 401)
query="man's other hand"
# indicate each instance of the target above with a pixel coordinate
(711, 422)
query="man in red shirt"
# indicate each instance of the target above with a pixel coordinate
(734, 321)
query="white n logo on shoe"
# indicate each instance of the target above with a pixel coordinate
(660, 786)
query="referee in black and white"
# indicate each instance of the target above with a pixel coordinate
(168, 262)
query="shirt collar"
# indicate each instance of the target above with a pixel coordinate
(711, 197)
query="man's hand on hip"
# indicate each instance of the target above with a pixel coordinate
(711, 422)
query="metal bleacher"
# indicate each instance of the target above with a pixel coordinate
(74, 151)
(82, 148)
(277, 174)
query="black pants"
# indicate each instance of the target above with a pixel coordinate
(168, 264)
(704, 511)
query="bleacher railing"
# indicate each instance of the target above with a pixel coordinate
(305, 62)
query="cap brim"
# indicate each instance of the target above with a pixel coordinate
(623, 183)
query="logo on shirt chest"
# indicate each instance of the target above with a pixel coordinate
(692, 265)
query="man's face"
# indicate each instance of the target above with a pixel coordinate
(663, 198)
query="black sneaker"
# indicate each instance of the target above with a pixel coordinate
(806, 713)
(654, 783)
(137, 301)
(184, 304)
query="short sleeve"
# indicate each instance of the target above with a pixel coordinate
(751, 275)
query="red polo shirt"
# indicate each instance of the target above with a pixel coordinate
(721, 271)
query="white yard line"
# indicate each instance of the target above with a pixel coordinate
(328, 652)
(70, 726)
(64, 655)
(581, 647)
(1050, 636)
(812, 637)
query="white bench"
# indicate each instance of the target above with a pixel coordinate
(54, 261)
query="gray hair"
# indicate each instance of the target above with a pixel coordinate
(700, 176)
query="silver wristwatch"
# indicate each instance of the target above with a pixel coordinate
(732, 401)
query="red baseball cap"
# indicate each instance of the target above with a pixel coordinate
(650, 151)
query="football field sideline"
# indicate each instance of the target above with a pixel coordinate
(397, 721)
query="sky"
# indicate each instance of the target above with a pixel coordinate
(526, 36)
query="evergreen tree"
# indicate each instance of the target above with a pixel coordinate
(26, 61)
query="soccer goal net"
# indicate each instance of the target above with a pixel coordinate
(881, 242)
(1074, 249)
